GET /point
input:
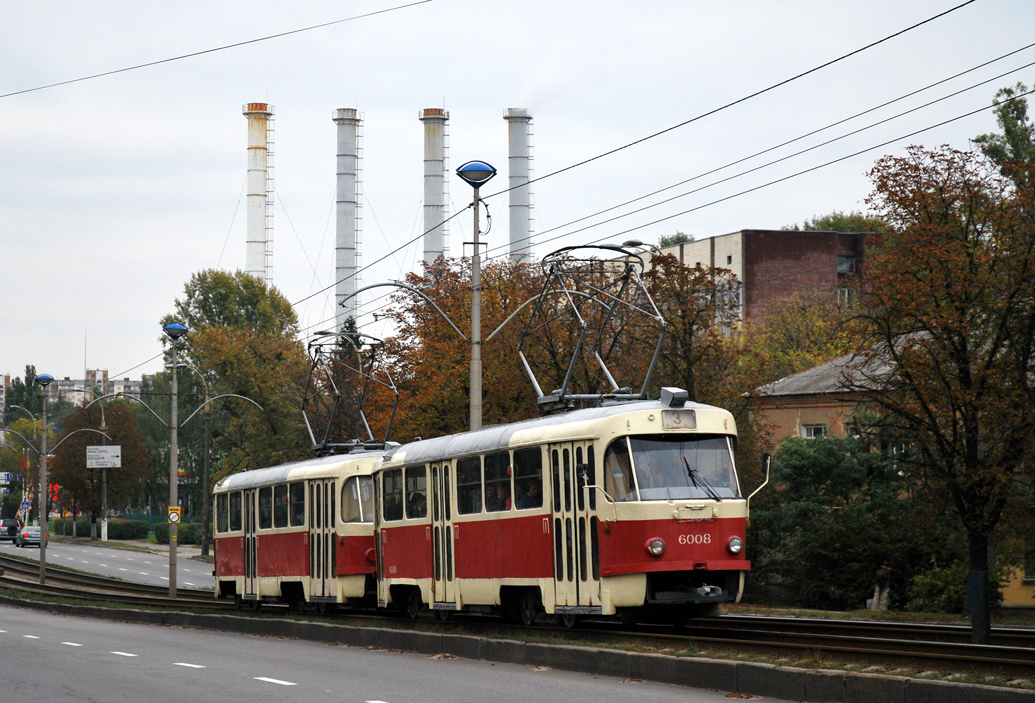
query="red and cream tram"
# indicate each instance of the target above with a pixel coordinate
(630, 509)
(300, 533)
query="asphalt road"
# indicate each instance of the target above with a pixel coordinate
(126, 564)
(52, 658)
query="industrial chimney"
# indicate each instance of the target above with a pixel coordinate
(347, 214)
(259, 241)
(435, 183)
(519, 127)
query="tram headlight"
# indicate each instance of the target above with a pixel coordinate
(655, 547)
(735, 545)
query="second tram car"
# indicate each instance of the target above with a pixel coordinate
(300, 533)
(631, 509)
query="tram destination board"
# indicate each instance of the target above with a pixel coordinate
(106, 457)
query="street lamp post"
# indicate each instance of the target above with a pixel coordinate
(174, 330)
(44, 380)
(476, 174)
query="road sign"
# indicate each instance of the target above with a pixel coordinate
(25, 505)
(175, 512)
(107, 457)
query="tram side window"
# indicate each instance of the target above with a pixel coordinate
(266, 508)
(222, 513)
(357, 500)
(416, 491)
(469, 485)
(235, 511)
(392, 497)
(618, 480)
(296, 502)
(497, 482)
(528, 476)
(280, 505)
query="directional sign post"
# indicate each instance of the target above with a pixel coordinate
(104, 458)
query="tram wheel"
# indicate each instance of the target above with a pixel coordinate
(443, 615)
(254, 605)
(530, 607)
(569, 620)
(414, 605)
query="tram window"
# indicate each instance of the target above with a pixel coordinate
(266, 508)
(296, 502)
(280, 505)
(235, 511)
(445, 495)
(580, 478)
(357, 500)
(392, 494)
(497, 482)
(556, 463)
(528, 476)
(222, 513)
(469, 485)
(618, 476)
(567, 479)
(416, 491)
(592, 477)
(679, 467)
(436, 497)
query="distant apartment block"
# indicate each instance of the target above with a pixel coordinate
(772, 264)
(97, 383)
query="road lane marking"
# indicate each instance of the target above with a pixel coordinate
(187, 570)
(72, 644)
(148, 563)
(165, 578)
(124, 654)
(276, 681)
(142, 573)
(187, 583)
(189, 666)
(30, 637)
(70, 558)
(3, 631)
(121, 569)
(104, 565)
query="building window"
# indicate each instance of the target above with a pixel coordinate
(813, 431)
(846, 264)
(729, 260)
(844, 296)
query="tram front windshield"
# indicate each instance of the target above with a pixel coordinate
(670, 467)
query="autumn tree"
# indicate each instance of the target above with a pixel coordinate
(82, 484)
(947, 298)
(1016, 143)
(838, 221)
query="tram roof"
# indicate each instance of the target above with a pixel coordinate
(291, 470)
(496, 437)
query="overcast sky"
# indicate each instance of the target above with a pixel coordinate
(113, 191)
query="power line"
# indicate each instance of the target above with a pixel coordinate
(735, 102)
(215, 49)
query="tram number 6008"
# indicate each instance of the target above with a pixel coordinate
(695, 539)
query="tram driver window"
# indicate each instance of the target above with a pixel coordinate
(235, 511)
(266, 508)
(222, 513)
(297, 503)
(497, 482)
(469, 485)
(618, 480)
(357, 500)
(392, 496)
(280, 505)
(528, 477)
(416, 492)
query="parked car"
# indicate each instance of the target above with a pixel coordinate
(27, 535)
(9, 528)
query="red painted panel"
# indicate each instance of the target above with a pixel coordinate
(406, 551)
(229, 556)
(688, 545)
(352, 555)
(519, 547)
(283, 554)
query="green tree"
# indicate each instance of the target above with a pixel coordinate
(838, 221)
(671, 240)
(1016, 143)
(948, 286)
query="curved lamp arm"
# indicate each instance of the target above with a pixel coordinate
(415, 291)
(129, 397)
(212, 400)
(84, 429)
(23, 438)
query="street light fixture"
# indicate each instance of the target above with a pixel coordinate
(476, 174)
(42, 512)
(174, 330)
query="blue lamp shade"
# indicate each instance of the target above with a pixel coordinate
(476, 173)
(175, 330)
(44, 379)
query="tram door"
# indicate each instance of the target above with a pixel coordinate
(322, 554)
(576, 572)
(442, 534)
(251, 551)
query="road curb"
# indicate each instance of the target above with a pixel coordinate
(769, 680)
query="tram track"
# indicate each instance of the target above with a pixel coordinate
(906, 645)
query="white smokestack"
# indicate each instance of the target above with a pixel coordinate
(519, 128)
(346, 247)
(435, 183)
(258, 115)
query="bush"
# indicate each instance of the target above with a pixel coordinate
(128, 529)
(943, 589)
(187, 533)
